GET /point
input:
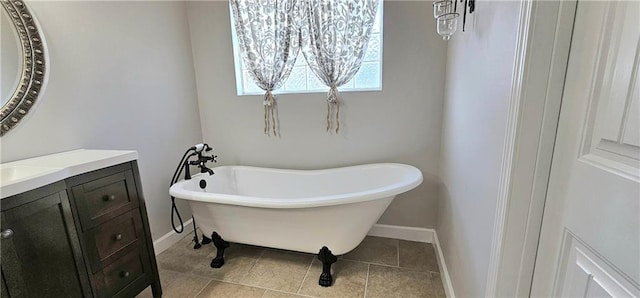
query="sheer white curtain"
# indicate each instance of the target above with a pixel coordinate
(335, 35)
(269, 39)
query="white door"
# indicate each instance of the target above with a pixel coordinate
(590, 239)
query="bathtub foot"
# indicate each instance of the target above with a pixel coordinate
(205, 239)
(327, 258)
(220, 245)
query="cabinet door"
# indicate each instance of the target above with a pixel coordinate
(40, 249)
(5, 292)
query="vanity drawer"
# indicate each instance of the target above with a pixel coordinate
(129, 271)
(110, 240)
(105, 198)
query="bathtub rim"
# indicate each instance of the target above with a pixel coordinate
(178, 190)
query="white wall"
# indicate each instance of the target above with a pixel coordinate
(121, 78)
(479, 71)
(400, 124)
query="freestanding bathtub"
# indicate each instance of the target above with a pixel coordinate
(295, 209)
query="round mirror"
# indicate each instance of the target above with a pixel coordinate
(10, 56)
(22, 62)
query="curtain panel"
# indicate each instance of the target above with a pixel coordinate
(334, 37)
(269, 38)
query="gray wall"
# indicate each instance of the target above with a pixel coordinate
(121, 78)
(401, 123)
(479, 71)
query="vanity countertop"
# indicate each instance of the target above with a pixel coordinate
(27, 174)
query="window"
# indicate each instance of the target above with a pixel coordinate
(302, 79)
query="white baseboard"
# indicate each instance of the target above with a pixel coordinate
(168, 239)
(444, 272)
(404, 233)
(420, 235)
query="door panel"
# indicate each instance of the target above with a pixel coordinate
(612, 132)
(589, 274)
(590, 238)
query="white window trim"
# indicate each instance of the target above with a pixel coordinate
(240, 77)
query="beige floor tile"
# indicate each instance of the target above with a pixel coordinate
(276, 294)
(418, 256)
(227, 290)
(238, 259)
(376, 250)
(175, 284)
(185, 272)
(279, 270)
(438, 288)
(349, 279)
(181, 257)
(398, 282)
(146, 293)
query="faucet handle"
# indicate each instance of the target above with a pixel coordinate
(214, 158)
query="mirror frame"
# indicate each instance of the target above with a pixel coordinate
(34, 65)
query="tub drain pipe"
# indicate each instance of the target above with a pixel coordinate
(195, 234)
(174, 209)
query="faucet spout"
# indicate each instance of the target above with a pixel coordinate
(204, 169)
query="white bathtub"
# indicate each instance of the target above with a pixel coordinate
(292, 209)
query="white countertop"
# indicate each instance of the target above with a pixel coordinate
(48, 169)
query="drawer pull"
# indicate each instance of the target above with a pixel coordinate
(108, 198)
(124, 274)
(6, 234)
(117, 237)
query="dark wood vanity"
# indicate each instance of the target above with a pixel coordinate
(85, 236)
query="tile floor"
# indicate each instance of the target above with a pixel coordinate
(378, 267)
